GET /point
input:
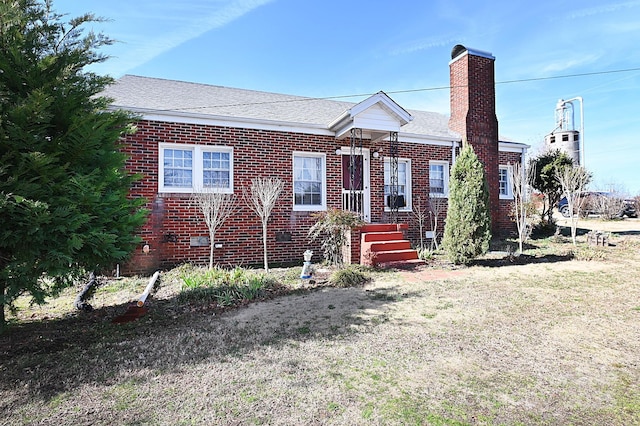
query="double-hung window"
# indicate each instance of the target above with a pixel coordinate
(438, 178)
(504, 179)
(177, 168)
(189, 168)
(216, 169)
(309, 181)
(403, 200)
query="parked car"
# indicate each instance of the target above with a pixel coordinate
(601, 203)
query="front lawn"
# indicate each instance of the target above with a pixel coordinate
(553, 340)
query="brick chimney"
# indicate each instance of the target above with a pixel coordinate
(473, 113)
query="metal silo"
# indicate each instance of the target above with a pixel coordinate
(564, 136)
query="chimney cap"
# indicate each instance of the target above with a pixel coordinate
(459, 50)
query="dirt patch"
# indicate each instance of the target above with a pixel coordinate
(428, 274)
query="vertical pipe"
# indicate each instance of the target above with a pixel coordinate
(454, 146)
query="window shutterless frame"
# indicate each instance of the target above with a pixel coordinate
(438, 178)
(404, 183)
(309, 181)
(505, 184)
(183, 168)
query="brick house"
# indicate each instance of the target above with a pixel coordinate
(373, 157)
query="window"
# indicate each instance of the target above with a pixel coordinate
(504, 179)
(438, 178)
(309, 181)
(183, 168)
(216, 168)
(178, 168)
(404, 183)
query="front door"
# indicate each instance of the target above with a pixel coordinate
(355, 182)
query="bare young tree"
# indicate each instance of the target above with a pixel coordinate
(216, 206)
(261, 197)
(574, 181)
(420, 214)
(609, 205)
(437, 208)
(521, 183)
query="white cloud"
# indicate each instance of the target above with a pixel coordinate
(425, 44)
(592, 11)
(145, 36)
(567, 63)
(632, 27)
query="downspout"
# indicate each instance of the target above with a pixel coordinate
(454, 145)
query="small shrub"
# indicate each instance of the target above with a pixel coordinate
(608, 206)
(224, 287)
(425, 254)
(287, 276)
(544, 229)
(589, 253)
(352, 276)
(331, 227)
(204, 295)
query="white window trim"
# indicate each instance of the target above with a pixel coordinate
(407, 195)
(197, 177)
(316, 207)
(445, 194)
(509, 194)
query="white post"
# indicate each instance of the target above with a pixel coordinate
(143, 296)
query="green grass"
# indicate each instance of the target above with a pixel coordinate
(627, 398)
(351, 276)
(123, 395)
(224, 287)
(410, 410)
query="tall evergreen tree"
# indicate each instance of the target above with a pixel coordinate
(467, 230)
(64, 203)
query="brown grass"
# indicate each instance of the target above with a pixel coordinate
(550, 340)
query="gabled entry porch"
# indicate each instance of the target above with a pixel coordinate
(377, 118)
(374, 121)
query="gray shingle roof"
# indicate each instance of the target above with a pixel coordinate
(135, 92)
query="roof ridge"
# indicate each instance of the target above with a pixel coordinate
(192, 83)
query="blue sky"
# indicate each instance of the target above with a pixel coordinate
(326, 48)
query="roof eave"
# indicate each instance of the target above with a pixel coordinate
(508, 146)
(225, 120)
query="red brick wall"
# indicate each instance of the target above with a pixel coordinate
(173, 221)
(504, 219)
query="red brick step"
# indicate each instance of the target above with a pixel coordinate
(384, 243)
